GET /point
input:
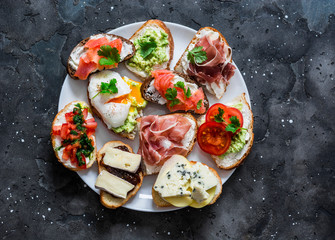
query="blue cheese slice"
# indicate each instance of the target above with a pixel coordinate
(113, 184)
(119, 159)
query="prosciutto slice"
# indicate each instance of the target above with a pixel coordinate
(161, 137)
(217, 68)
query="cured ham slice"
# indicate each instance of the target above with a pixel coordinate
(217, 68)
(162, 136)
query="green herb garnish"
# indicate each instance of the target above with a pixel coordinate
(197, 55)
(108, 87)
(111, 55)
(234, 125)
(219, 117)
(147, 48)
(171, 94)
(199, 104)
(181, 85)
(73, 132)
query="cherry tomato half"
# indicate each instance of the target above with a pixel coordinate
(213, 138)
(228, 113)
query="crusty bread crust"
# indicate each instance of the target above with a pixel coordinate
(159, 23)
(192, 142)
(147, 97)
(247, 146)
(160, 202)
(130, 135)
(71, 71)
(53, 137)
(178, 67)
(106, 199)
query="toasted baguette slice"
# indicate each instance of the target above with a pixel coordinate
(107, 199)
(157, 25)
(150, 93)
(57, 140)
(91, 94)
(160, 202)
(190, 136)
(127, 51)
(183, 63)
(233, 160)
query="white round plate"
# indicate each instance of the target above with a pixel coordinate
(77, 90)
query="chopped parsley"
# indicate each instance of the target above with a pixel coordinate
(181, 85)
(199, 104)
(219, 117)
(171, 94)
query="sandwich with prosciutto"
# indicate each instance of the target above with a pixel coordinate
(98, 52)
(120, 175)
(208, 60)
(164, 136)
(73, 136)
(226, 132)
(175, 90)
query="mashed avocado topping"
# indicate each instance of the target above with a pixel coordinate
(130, 122)
(237, 141)
(158, 55)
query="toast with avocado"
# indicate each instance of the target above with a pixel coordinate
(154, 49)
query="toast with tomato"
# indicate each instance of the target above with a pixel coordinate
(154, 49)
(120, 174)
(183, 183)
(73, 136)
(98, 52)
(231, 125)
(208, 60)
(175, 90)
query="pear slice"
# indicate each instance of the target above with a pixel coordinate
(211, 193)
(182, 201)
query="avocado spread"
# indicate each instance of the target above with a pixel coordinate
(130, 122)
(237, 141)
(158, 55)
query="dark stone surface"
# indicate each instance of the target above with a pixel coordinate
(284, 190)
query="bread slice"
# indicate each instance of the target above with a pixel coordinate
(131, 135)
(149, 169)
(159, 25)
(150, 94)
(233, 160)
(127, 51)
(183, 63)
(56, 140)
(107, 199)
(160, 202)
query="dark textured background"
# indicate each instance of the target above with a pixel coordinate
(284, 190)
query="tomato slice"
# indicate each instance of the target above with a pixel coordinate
(213, 138)
(228, 113)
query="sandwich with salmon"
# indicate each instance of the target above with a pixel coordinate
(98, 52)
(208, 60)
(154, 49)
(175, 90)
(162, 136)
(226, 132)
(183, 183)
(117, 101)
(73, 136)
(120, 174)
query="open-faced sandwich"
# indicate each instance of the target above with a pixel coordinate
(182, 183)
(120, 175)
(98, 52)
(207, 59)
(164, 136)
(227, 132)
(175, 90)
(73, 136)
(154, 49)
(117, 101)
